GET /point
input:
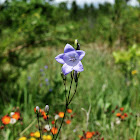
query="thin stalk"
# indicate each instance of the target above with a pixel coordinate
(73, 94)
(70, 86)
(39, 125)
(61, 122)
(65, 90)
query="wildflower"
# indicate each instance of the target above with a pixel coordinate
(1, 127)
(121, 109)
(56, 117)
(6, 119)
(93, 133)
(122, 117)
(48, 137)
(37, 109)
(47, 108)
(45, 66)
(16, 115)
(89, 135)
(71, 59)
(47, 127)
(54, 130)
(68, 121)
(69, 110)
(53, 122)
(118, 114)
(12, 113)
(37, 134)
(32, 138)
(118, 121)
(61, 114)
(125, 114)
(32, 134)
(134, 72)
(22, 138)
(12, 121)
(29, 78)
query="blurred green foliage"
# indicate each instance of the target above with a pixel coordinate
(29, 34)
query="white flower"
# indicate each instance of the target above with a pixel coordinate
(46, 108)
(12, 113)
(56, 117)
(47, 127)
(37, 108)
(118, 121)
(12, 121)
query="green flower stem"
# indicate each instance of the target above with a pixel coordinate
(38, 125)
(70, 88)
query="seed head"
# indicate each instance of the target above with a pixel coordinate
(47, 108)
(37, 109)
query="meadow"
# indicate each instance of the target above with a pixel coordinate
(106, 104)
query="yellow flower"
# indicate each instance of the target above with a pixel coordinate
(48, 137)
(37, 134)
(22, 138)
(134, 72)
(32, 138)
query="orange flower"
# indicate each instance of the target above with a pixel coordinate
(121, 109)
(54, 130)
(89, 135)
(5, 119)
(122, 117)
(39, 110)
(131, 139)
(69, 110)
(125, 114)
(61, 114)
(16, 115)
(32, 134)
(93, 133)
(68, 121)
(45, 117)
(118, 114)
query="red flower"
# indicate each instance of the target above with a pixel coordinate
(125, 114)
(121, 109)
(53, 122)
(6, 119)
(68, 121)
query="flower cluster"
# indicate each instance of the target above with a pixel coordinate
(41, 113)
(88, 135)
(12, 118)
(36, 136)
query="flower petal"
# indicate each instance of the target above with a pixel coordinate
(66, 69)
(81, 54)
(68, 48)
(59, 58)
(78, 67)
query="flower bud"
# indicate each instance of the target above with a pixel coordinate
(78, 46)
(47, 108)
(37, 109)
(76, 41)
